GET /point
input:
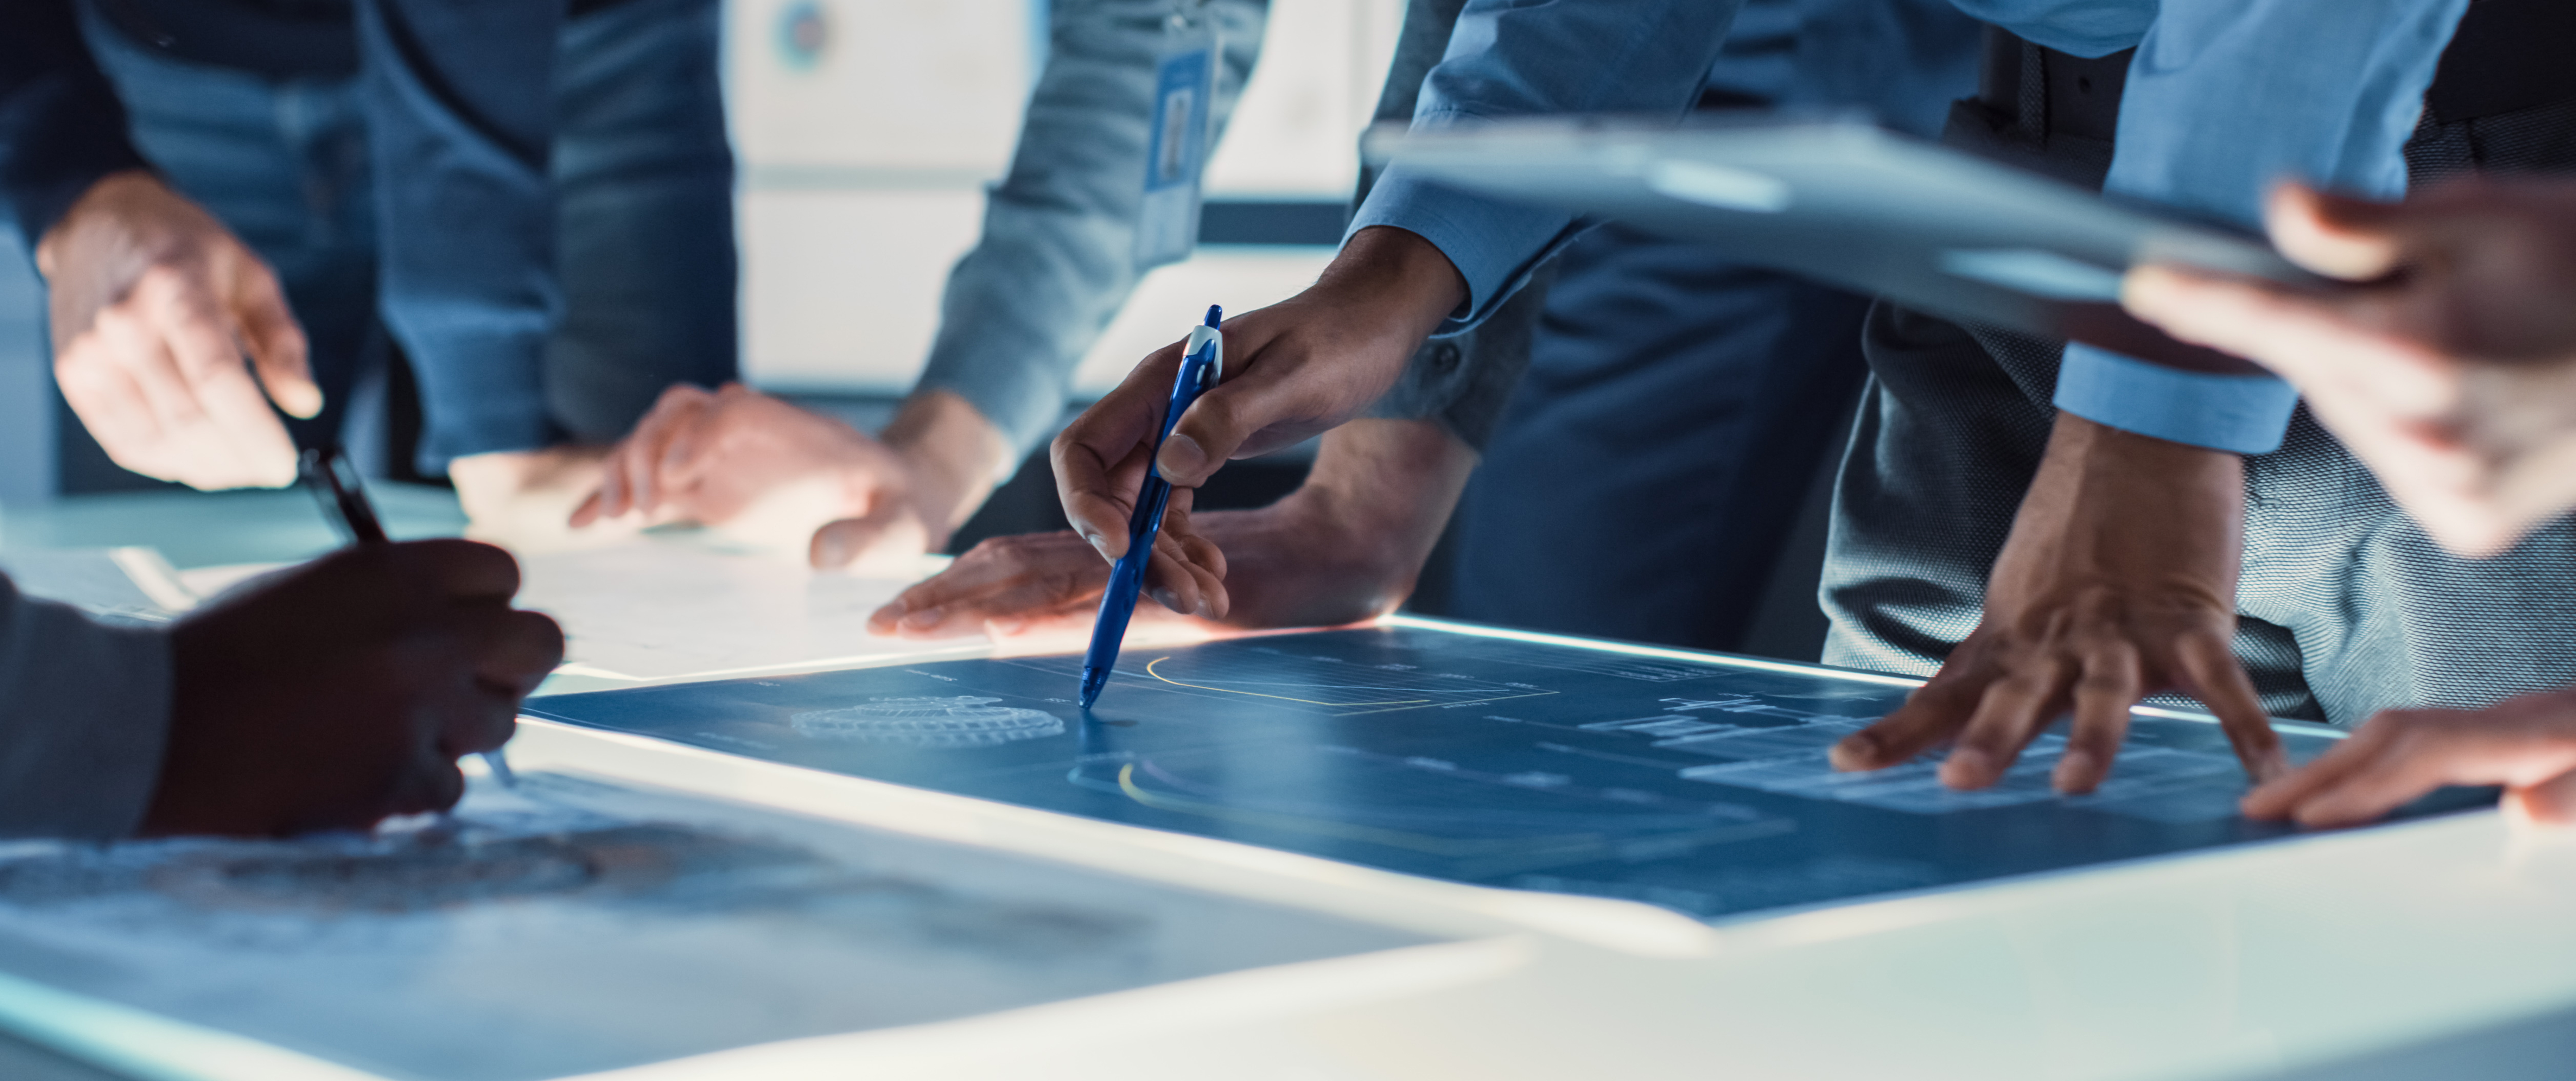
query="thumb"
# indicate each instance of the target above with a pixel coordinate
(889, 529)
(2551, 802)
(277, 346)
(2334, 235)
(1215, 427)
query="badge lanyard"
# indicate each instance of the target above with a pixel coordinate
(1176, 148)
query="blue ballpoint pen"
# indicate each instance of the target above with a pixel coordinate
(1202, 364)
(335, 484)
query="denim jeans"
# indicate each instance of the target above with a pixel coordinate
(643, 186)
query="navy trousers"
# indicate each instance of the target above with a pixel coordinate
(1651, 463)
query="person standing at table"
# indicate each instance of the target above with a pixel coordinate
(530, 203)
(2116, 576)
(2455, 381)
(1062, 248)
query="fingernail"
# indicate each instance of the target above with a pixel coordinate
(1168, 599)
(830, 550)
(300, 400)
(1098, 543)
(2075, 772)
(884, 619)
(1005, 625)
(1967, 768)
(1856, 751)
(927, 617)
(1181, 457)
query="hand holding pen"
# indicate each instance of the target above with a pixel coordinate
(336, 485)
(340, 692)
(1202, 367)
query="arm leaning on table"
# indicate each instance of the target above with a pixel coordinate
(1418, 259)
(2100, 597)
(1345, 546)
(1054, 264)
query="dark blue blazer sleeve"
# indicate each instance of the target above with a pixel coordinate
(61, 125)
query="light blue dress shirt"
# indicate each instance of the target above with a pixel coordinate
(2225, 97)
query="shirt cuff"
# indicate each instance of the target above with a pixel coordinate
(1494, 245)
(2245, 414)
(92, 705)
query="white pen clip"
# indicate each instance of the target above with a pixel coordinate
(1204, 335)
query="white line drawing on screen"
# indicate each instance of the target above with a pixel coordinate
(960, 721)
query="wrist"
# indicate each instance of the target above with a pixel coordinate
(1384, 488)
(1405, 280)
(952, 459)
(97, 204)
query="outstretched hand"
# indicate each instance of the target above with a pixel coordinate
(2526, 744)
(1293, 370)
(769, 471)
(2118, 581)
(343, 692)
(153, 306)
(2450, 371)
(1344, 547)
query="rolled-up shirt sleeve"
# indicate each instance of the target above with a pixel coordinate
(1516, 58)
(84, 719)
(2339, 84)
(61, 125)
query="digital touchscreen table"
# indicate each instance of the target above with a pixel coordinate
(1697, 784)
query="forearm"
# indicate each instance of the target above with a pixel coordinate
(84, 716)
(956, 456)
(1057, 256)
(2088, 514)
(1348, 544)
(62, 128)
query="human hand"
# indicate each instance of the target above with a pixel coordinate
(343, 692)
(1344, 547)
(2118, 581)
(522, 498)
(2451, 371)
(767, 470)
(1293, 369)
(1044, 583)
(153, 304)
(2526, 744)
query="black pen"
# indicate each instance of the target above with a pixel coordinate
(336, 485)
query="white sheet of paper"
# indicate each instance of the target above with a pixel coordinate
(573, 925)
(658, 608)
(133, 585)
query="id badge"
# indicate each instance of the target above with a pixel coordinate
(1176, 147)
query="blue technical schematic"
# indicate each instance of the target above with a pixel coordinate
(1697, 784)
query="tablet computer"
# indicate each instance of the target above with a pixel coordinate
(1840, 200)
